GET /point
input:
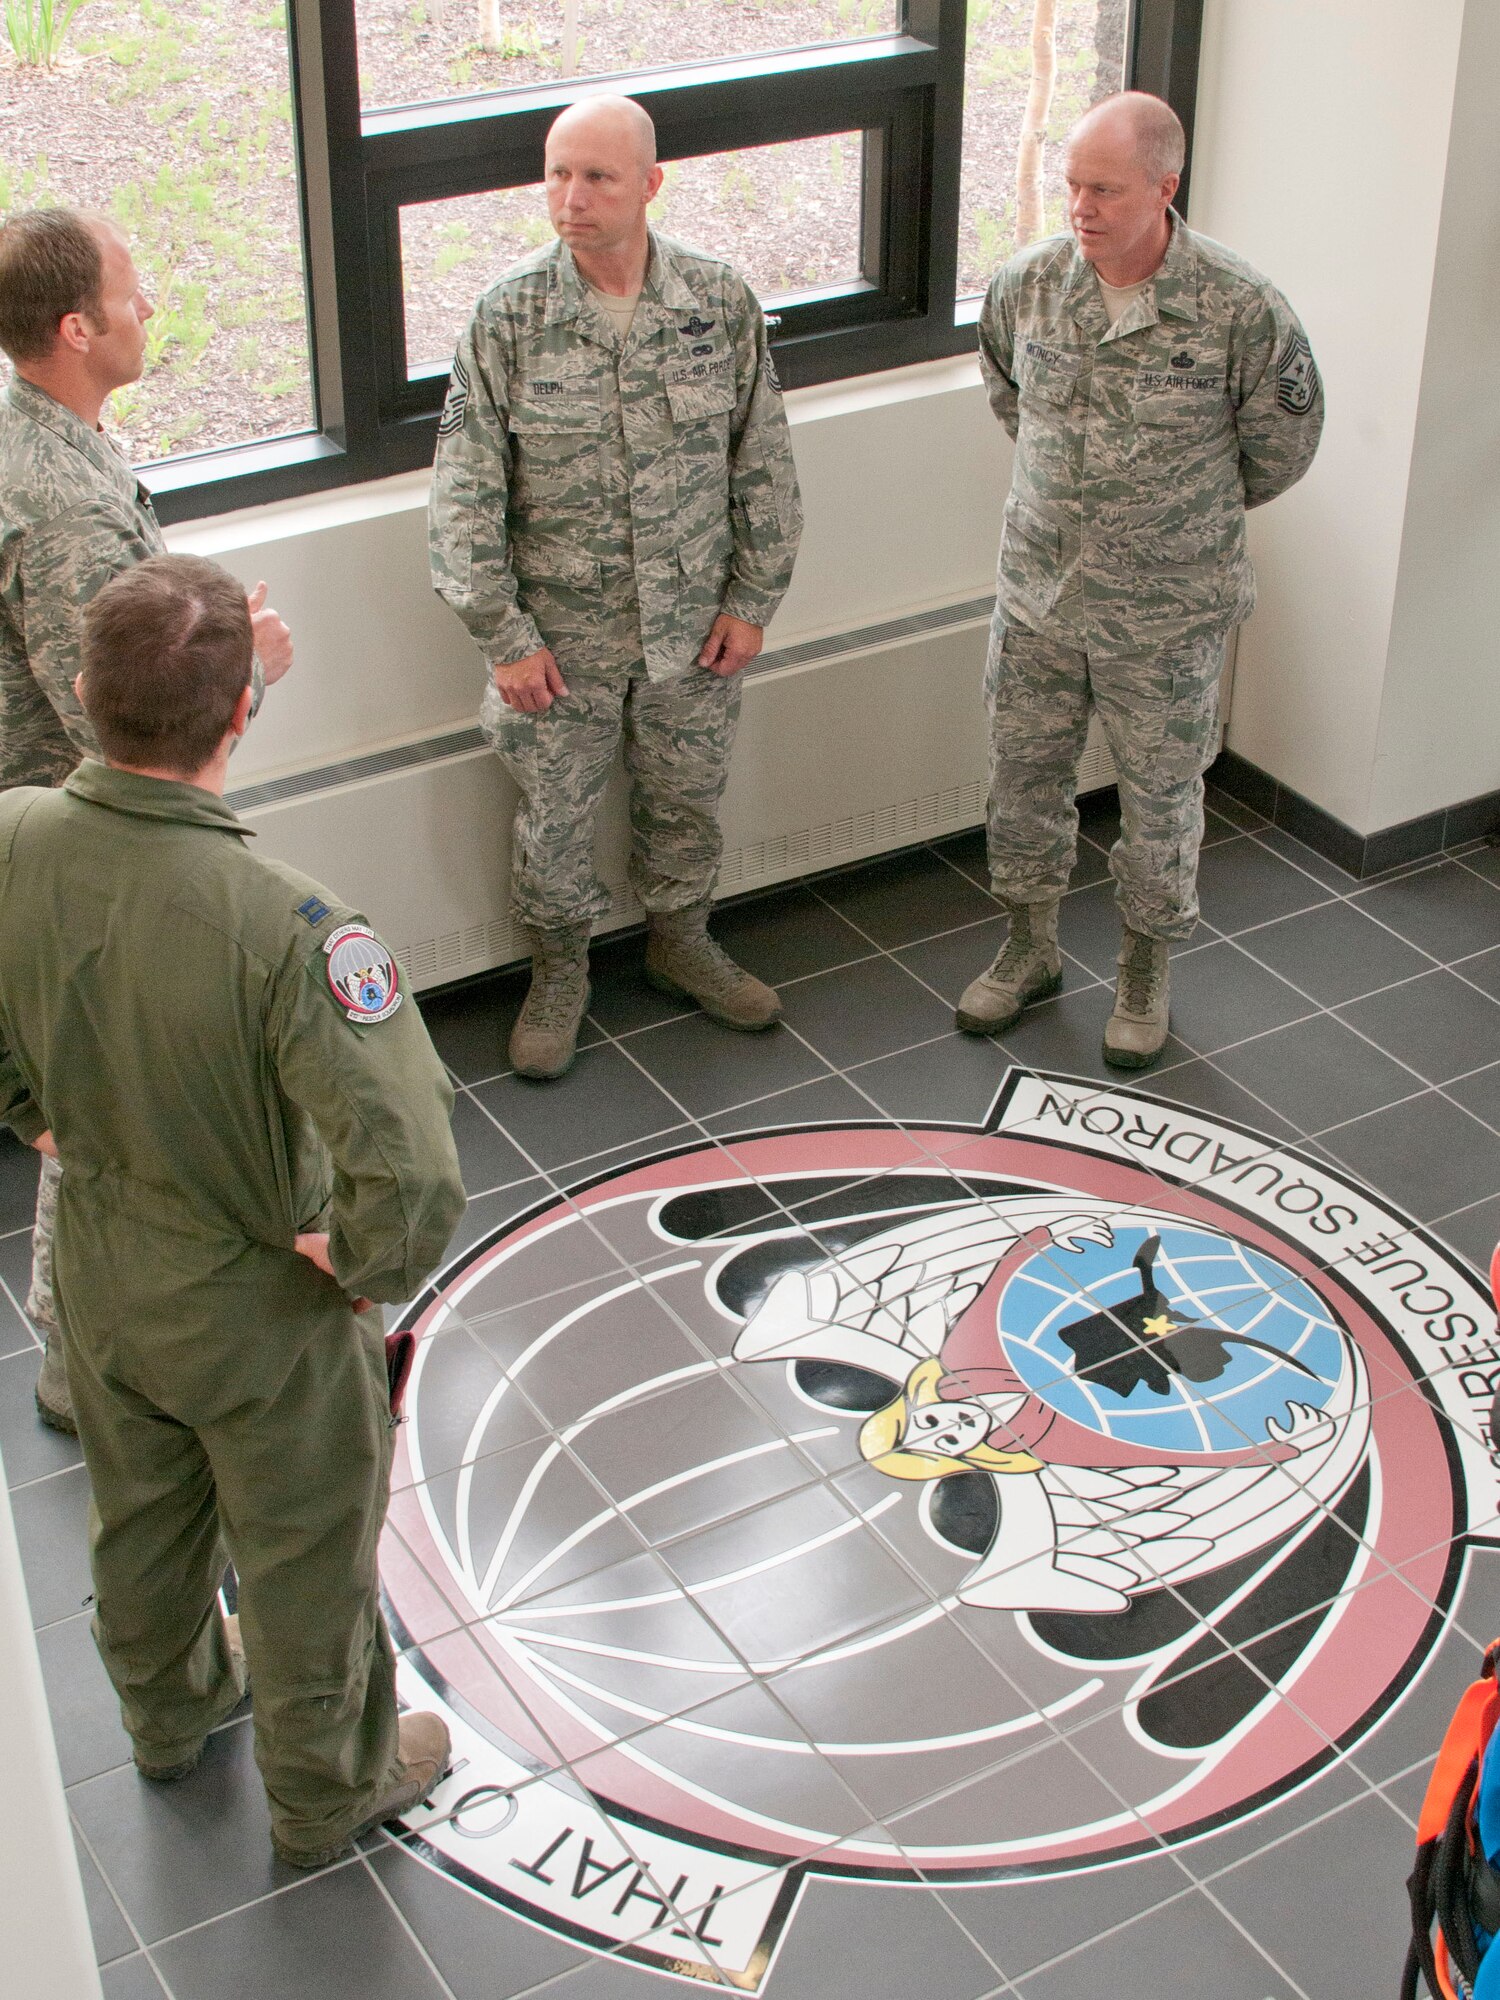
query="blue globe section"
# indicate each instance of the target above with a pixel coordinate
(1206, 1277)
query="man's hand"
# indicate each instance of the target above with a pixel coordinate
(45, 1143)
(273, 639)
(314, 1247)
(532, 684)
(730, 645)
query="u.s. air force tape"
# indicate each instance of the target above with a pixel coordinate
(362, 974)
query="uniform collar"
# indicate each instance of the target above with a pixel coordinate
(151, 798)
(1173, 295)
(30, 401)
(663, 290)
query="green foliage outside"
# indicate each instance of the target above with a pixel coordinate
(35, 29)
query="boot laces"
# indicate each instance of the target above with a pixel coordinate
(556, 989)
(1141, 977)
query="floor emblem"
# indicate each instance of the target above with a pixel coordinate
(920, 1505)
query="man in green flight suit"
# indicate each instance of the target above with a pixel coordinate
(1156, 387)
(615, 517)
(255, 1134)
(72, 515)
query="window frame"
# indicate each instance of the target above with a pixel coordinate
(356, 169)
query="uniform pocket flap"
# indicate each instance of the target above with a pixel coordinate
(557, 403)
(694, 397)
(1201, 404)
(1027, 522)
(554, 562)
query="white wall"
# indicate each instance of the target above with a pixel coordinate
(1439, 736)
(1319, 154)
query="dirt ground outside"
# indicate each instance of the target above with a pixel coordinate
(176, 120)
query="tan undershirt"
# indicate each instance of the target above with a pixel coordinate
(1118, 298)
(620, 310)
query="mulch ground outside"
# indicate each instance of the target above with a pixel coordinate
(176, 120)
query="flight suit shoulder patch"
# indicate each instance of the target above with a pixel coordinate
(362, 974)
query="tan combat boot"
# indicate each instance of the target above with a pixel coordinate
(54, 1404)
(683, 960)
(1028, 967)
(545, 1037)
(423, 1749)
(1136, 1031)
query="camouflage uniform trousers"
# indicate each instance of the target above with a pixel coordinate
(41, 1308)
(677, 738)
(1160, 712)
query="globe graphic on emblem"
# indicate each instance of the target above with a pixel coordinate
(1281, 1345)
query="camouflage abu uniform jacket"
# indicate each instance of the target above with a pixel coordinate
(72, 515)
(569, 463)
(1139, 446)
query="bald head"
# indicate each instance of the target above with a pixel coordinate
(1138, 125)
(617, 123)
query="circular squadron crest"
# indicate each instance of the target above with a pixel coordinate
(931, 1505)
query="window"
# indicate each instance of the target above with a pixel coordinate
(855, 158)
(176, 120)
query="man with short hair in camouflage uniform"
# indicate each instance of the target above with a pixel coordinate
(1156, 387)
(72, 515)
(614, 517)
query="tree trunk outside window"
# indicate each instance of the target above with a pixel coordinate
(1033, 138)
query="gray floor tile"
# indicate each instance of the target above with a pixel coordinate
(1241, 883)
(1306, 858)
(707, 1067)
(604, 1101)
(1479, 1093)
(1437, 1025)
(909, 896)
(968, 851)
(1473, 1232)
(1067, 1035)
(1089, 929)
(335, 1937)
(1205, 1087)
(85, 1712)
(18, 1172)
(1216, 799)
(1356, 1925)
(488, 1212)
(132, 1979)
(621, 997)
(853, 1938)
(787, 936)
(1337, 1785)
(1317, 1073)
(949, 1081)
(1426, 1154)
(52, 1528)
(1482, 970)
(595, 1166)
(1168, 1951)
(1025, 1923)
(827, 1101)
(478, 1948)
(470, 1025)
(1335, 953)
(112, 1935)
(1219, 997)
(486, 1157)
(1484, 860)
(29, 1449)
(16, 1335)
(176, 1855)
(872, 1009)
(1447, 910)
(1412, 1726)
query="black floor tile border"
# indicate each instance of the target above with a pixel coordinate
(1362, 855)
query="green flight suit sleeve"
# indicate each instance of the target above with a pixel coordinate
(468, 536)
(381, 1101)
(997, 350)
(63, 563)
(765, 506)
(1277, 395)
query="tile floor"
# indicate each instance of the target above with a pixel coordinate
(1358, 1021)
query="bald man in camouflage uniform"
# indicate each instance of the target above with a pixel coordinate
(614, 517)
(1156, 387)
(72, 515)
